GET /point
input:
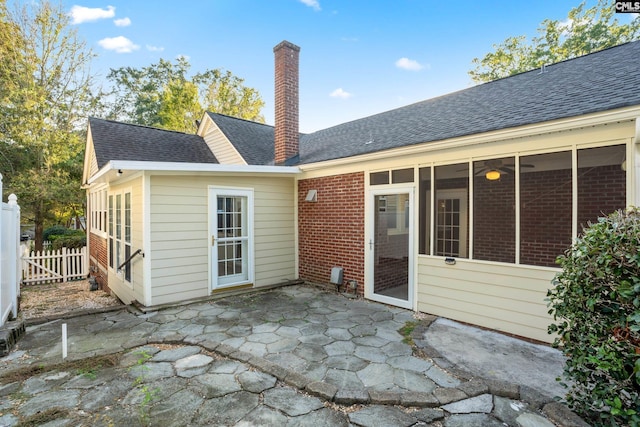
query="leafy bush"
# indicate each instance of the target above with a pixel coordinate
(56, 230)
(62, 237)
(76, 240)
(596, 309)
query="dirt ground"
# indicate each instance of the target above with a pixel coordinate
(57, 299)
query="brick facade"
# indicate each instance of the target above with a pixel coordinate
(601, 190)
(331, 230)
(98, 260)
(494, 219)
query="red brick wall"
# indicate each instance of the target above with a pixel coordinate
(601, 190)
(494, 219)
(331, 230)
(545, 216)
(546, 208)
(98, 260)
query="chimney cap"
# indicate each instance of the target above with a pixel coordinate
(288, 44)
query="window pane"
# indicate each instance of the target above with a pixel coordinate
(545, 207)
(379, 178)
(452, 216)
(494, 214)
(424, 200)
(118, 217)
(127, 268)
(402, 175)
(602, 183)
(127, 217)
(110, 215)
(111, 255)
(118, 237)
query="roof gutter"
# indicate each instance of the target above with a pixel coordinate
(129, 165)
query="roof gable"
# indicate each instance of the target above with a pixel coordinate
(254, 141)
(218, 143)
(591, 83)
(121, 141)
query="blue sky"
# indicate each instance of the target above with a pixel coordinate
(357, 57)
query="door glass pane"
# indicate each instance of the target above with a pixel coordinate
(232, 239)
(391, 246)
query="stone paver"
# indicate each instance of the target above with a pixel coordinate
(266, 358)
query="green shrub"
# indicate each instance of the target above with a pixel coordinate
(596, 310)
(62, 237)
(56, 230)
(70, 241)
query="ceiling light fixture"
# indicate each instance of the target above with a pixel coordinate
(492, 175)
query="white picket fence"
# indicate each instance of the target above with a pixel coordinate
(9, 257)
(54, 265)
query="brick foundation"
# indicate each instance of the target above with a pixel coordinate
(98, 260)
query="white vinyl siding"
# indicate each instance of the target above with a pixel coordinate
(180, 238)
(507, 298)
(225, 152)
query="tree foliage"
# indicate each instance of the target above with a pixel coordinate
(584, 31)
(596, 309)
(45, 87)
(163, 95)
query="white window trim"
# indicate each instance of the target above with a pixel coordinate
(120, 241)
(98, 214)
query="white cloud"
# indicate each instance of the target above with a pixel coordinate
(314, 4)
(80, 14)
(340, 93)
(154, 48)
(118, 44)
(409, 64)
(124, 22)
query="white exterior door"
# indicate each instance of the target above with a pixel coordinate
(451, 223)
(231, 237)
(389, 249)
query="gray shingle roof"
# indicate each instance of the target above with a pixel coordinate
(592, 83)
(122, 141)
(254, 141)
(596, 82)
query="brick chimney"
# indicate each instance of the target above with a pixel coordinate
(286, 102)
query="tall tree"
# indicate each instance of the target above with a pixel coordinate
(44, 105)
(224, 93)
(164, 95)
(179, 106)
(584, 31)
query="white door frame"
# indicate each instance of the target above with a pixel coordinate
(370, 242)
(247, 193)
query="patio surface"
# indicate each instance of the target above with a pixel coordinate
(296, 355)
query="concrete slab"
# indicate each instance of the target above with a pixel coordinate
(491, 355)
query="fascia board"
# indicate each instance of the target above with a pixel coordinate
(129, 165)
